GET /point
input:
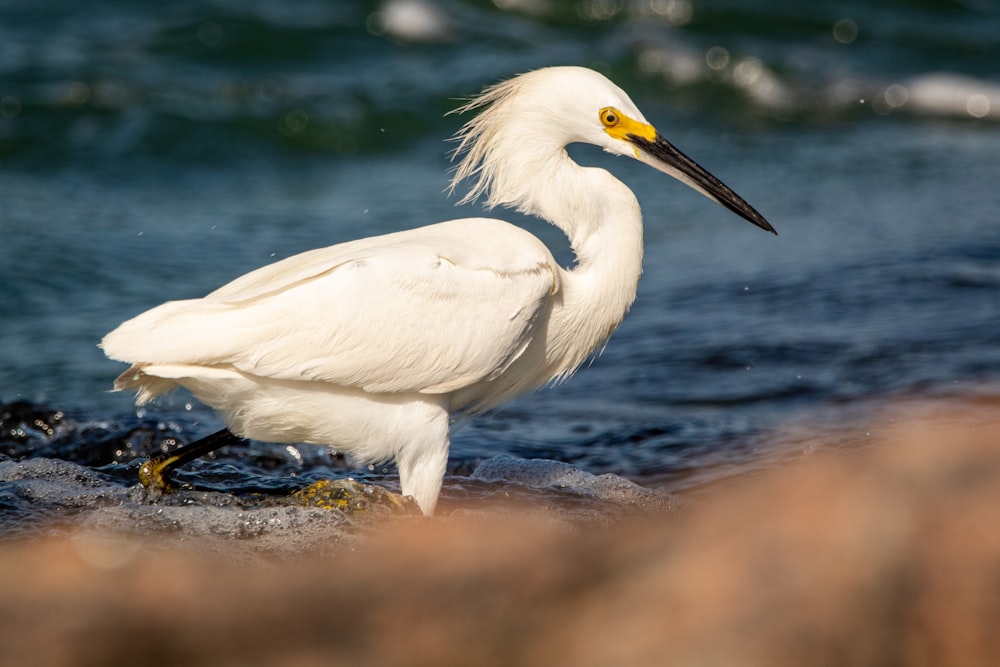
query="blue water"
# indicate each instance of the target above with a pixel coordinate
(152, 152)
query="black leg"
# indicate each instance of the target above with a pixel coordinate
(153, 473)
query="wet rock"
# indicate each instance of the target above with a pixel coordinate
(889, 554)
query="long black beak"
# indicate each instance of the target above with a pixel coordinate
(668, 159)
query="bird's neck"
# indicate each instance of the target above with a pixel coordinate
(601, 217)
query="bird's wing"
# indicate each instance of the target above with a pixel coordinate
(431, 310)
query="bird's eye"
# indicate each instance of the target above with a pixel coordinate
(610, 117)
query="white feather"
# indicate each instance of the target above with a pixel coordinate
(371, 346)
(429, 310)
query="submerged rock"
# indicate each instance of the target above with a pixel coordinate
(565, 478)
(64, 471)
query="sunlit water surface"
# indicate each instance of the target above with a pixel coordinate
(150, 153)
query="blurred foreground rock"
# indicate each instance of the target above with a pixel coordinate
(888, 555)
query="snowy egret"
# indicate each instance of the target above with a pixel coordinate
(375, 345)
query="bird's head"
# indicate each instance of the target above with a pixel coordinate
(532, 117)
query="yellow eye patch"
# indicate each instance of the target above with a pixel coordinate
(619, 126)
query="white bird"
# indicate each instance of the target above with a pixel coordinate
(374, 346)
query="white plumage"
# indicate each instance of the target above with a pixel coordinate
(373, 345)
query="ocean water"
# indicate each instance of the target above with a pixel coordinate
(151, 152)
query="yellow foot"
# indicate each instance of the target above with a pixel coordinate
(348, 495)
(152, 474)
